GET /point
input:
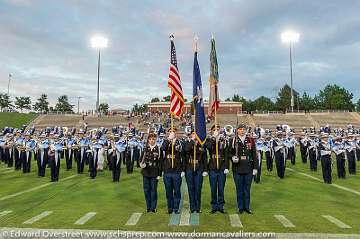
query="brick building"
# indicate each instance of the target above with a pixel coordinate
(226, 107)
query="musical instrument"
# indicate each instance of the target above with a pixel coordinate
(229, 130)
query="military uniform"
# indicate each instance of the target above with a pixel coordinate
(195, 169)
(173, 169)
(151, 171)
(244, 161)
(217, 168)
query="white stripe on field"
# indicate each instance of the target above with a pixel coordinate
(4, 213)
(85, 218)
(337, 222)
(133, 220)
(33, 189)
(6, 172)
(284, 221)
(38, 217)
(235, 220)
(334, 185)
(5, 169)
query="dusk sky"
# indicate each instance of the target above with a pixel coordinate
(45, 45)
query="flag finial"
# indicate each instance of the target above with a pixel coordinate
(196, 39)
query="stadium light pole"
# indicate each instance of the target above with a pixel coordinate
(98, 42)
(290, 37)
(78, 104)
(8, 90)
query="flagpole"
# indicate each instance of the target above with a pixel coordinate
(172, 142)
(216, 140)
(194, 163)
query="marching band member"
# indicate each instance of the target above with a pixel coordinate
(119, 147)
(218, 167)
(303, 142)
(350, 147)
(260, 149)
(244, 166)
(151, 170)
(325, 156)
(267, 145)
(17, 150)
(132, 153)
(339, 151)
(196, 169)
(291, 143)
(93, 156)
(56, 148)
(173, 168)
(102, 152)
(313, 145)
(82, 155)
(42, 154)
(70, 150)
(27, 150)
(8, 150)
(280, 154)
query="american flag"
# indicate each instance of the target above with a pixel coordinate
(174, 83)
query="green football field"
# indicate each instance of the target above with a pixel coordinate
(299, 199)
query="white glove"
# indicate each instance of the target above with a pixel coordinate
(204, 174)
(254, 171)
(182, 174)
(158, 178)
(142, 165)
(235, 159)
(226, 171)
(171, 136)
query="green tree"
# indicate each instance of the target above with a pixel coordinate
(357, 106)
(283, 101)
(247, 105)
(5, 101)
(334, 97)
(139, 109)
(306, 102)
(23, 102)
(263, 103)
(156, 99)
(166, 98)
(63, 104)
(42, 104)
(104, 108)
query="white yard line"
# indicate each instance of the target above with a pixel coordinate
(85, 218)
(5, 169)
(284, 221)
(337, 222)
(235, 220)
(6, 172)
(33, 189)
(4, 213)
(134, 219)
(333, 184)
(38, 217)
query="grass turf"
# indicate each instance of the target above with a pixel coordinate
(302, 200)
(15, 120)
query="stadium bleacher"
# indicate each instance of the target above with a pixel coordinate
(269, 120)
